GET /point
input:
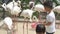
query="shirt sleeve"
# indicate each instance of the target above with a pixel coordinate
(50, 19)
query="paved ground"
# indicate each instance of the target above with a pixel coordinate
(20, 30)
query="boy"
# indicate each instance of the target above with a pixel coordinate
(40, 29)
(50, 18)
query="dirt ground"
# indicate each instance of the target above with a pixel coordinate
(20, 29)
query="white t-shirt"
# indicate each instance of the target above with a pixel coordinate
(50, 18)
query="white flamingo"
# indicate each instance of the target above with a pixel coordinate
(39, 7)
(8, 21)
(27, 13)
(12, 7)
(56, 9)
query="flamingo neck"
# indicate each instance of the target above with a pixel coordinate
(4, 6)
(13, 0)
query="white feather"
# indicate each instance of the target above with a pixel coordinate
(13, 8)
(39, 7)
(57, 9)
(9, 22)
(27, 13)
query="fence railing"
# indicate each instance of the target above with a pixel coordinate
(18, 20)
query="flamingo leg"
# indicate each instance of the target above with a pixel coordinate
(23, 27)
(15, 26)
(27, 27)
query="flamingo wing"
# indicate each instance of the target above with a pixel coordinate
(57, 9)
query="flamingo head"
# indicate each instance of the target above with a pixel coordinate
(4, 6)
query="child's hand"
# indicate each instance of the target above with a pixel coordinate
(44, 23)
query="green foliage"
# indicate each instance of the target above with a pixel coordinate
(56, 2)
(36, 14)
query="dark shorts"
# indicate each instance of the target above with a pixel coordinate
(49, 33)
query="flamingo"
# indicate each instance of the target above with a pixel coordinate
(27, 13)
(39, 7)
(8, 22)
(12, 7)
(56, 9)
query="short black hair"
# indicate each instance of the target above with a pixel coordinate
(40, 28)
(48, 3)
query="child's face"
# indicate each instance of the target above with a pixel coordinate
(47, 9)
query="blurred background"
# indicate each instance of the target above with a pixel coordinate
(25, 4)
